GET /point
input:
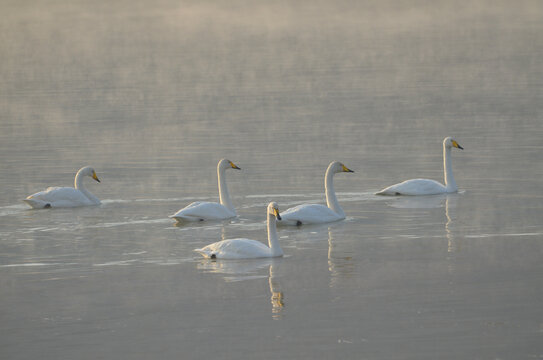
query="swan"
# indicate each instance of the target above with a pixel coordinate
(54, 197)
(204, 210)
(246, 248)
(316, 213)
(427, 186)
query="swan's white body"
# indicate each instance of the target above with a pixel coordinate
(204, 210)
(427, 186)
(316, 213)
(247, 248)
(54, 197)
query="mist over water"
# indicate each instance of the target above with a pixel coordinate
(153, 94)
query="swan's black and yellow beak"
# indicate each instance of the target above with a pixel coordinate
(234, 166)
(456, 145)
(95, 177)
(346, 169)
(276, 213)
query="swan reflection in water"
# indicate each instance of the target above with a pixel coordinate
(420, 202)
(241, 270)
(277, 297)
(340, 261)
(447, 201)
(453, 246)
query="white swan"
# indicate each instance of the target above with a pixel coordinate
(54, 197)
(316, 213)
(204, 210)
(246, 248)
(427, 186)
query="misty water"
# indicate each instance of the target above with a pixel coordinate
(153, 93)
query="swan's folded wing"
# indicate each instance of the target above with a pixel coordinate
(201, 210)
(235, 249)
(309, 214)
(61, 197)
(414, 187)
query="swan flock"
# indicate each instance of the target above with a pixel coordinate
(57, 197)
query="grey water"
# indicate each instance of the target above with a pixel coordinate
(153, 93)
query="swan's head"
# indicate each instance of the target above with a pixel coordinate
(273, 209)
(449, 142)
(88, 171)
(338, 167)
(227, 164)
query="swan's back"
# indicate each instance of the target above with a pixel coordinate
(203, 210)
(309, 214)
(415, 187)
(59, 197)
(236, 249)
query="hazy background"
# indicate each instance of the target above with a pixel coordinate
(153, 93)
(126, 84)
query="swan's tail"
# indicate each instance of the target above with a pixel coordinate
(183, 219)
(36, 204)
(388, 191)
(288, 222)
(206, 253)
(178, 218)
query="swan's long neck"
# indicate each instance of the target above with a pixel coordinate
(273, 242)
(450, 184)
(331, 199)
(79, 186)
(224, 196)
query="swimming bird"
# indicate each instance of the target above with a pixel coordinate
(427, 186)
(247, 248)
(316, 213)
(54, 197)
(204, 210)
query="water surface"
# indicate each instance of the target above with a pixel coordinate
(152, 95)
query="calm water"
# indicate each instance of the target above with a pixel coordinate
(153, 94)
